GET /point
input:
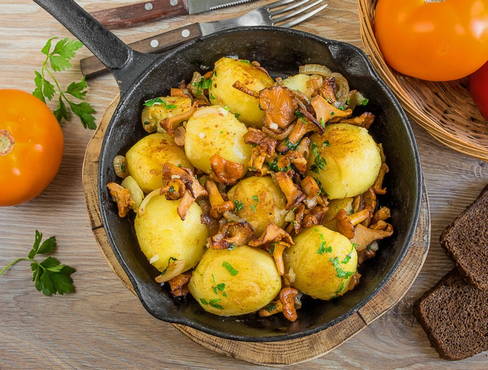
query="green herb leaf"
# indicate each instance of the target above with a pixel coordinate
(290, 145)
(299, 114)
(203, 301)
(238, 205)
(270, 307)
(50, 276)
(229, 268)
(85, 112)
(255, 198)
(67, 48)
(48, 246)
(47, 46)
(323, 248)
(318, 162)
(365, 101)
(340, 273)
(78, 89)
(159, 101)
(231, 247)
(244, 61)
(215, 303)
(62, 112)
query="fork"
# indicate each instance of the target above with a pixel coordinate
(282, 13)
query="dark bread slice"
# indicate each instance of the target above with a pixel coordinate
(454, 314)
(466, 241)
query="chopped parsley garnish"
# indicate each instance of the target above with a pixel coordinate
(203, 84)
(219, 288)
(340, 273)
(237, 115)
(299, 114)
(229, 268)
(290, 145)
(322, 191)
(323, 248)
(365, 101)
(273, 166)
(322, 122)
(215, 303)
(170, 261)
(245, 61)
(355, 245)
(238, 205)
(171, 189)
(212, 97)
(158, 101)
(270, 307)
(326, 143)
(318, 162)
(231, 247)
(255, 198)
(342, 107)
(146, 123)
(341, 288)
(349, 255)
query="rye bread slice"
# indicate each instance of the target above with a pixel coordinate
(466, 241)
(454, 314)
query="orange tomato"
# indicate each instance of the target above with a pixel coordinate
(436, 40)
(31, 147)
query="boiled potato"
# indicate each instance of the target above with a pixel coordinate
(164, 237)
(323, 262)
(235, 282)
(227, 72)
(162, 108)
(299, 82)
(259, 201)
(345, 159)
(214, 130)
(146, 158)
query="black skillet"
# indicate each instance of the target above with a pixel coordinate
(280, 51)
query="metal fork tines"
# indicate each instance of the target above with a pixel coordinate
(282, 13)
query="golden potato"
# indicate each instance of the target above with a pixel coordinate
(323, 261)
(163, 236)
(299, 82)
(345, 159)
(162, 108)
(227, 72)
(235, 282)
(146, 158)
(259, 201)
(214, 130)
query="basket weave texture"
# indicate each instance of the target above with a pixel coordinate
(445, 109)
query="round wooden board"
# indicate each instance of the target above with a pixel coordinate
(275, 353)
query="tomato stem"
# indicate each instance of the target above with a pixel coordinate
(6, 142)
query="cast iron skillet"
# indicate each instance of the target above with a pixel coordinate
(280, 51)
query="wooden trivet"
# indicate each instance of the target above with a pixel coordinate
(272, 353)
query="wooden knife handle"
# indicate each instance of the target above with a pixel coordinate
(91, 66)
(127, 16)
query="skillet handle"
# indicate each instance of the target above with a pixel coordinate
(125, 63)
(91, 66)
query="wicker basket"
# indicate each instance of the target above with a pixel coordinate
(444, 109)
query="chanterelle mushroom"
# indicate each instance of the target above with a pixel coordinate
(218, 205)
(378, 184)
(364, 120)
(272, 233)
(364, 236)
(326, 112)
(224, 171)
(300, 129)
(279, 106)
(121, 196)
(231, 234)
(291, 191)
(345, 223)
(179, 284)
(265, 147)
(174, 189)
(171, 123)
(193, 191)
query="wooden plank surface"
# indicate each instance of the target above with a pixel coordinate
(103, 325)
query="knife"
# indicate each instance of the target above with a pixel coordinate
(130, 15)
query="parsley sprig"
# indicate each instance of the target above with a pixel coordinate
(49, 276)
(58, 57)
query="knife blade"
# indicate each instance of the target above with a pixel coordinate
(130, 15)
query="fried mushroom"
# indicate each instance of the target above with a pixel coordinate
(364, 236)
(279, 106)
(179, 284)
(121, 196)
(364, 120)
(230, 235)
(218, 205)
(272, 234)
(291, 191)
(326, 112)
(224, 171)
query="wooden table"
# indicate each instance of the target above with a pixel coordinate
(103, 325)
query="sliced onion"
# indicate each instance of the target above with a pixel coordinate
(342, 87)
(136, 193)
(233, 217)
(315, 69)
(147, 199)
(173, 269)
(280, 135)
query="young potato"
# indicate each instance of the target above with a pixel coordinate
(345, 159)
(145, 159)
(235, 282)
(215, 130)
(171, 106)
(227, 71)
(164, 237)
(323, 261)
(299, 82)
(259, 201)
